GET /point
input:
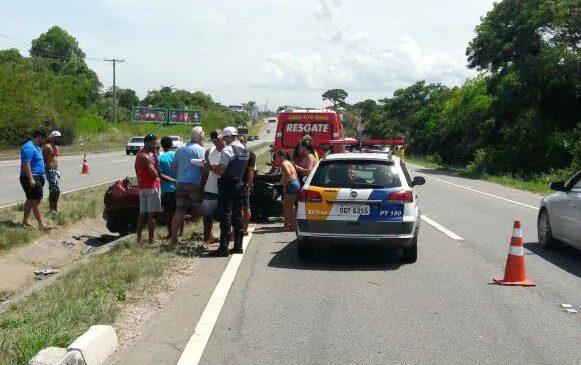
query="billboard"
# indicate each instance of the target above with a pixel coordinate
(185, 116)
(144, 114)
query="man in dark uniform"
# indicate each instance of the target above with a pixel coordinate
(247, 213)
(232, 169)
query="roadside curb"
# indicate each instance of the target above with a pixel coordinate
(43, 283)
(91, 348)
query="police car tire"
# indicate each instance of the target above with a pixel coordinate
(410, 254)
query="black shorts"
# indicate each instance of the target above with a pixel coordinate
(168, 202)
(33, 193)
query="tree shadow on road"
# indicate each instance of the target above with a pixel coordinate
(563, 256)
(342, 258)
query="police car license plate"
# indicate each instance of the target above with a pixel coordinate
(352, 209)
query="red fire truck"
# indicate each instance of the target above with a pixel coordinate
(320, 124)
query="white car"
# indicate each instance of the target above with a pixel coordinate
(134, 145)
(177, 141)
(560, 214)
(358, 198)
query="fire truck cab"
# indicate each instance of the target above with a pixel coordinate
(293, 125)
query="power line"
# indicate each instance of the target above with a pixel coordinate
(114, 61)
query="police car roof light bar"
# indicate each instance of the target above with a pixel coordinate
(369, 142)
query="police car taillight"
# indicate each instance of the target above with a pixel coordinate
(310, 196)
(401, 196)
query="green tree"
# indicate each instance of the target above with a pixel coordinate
(367, 108)
(336, 96)
(532, 52)
(11, 57)
(58, 45)
(126, 98)
(249, 108)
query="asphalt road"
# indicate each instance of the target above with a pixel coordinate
(364, 306)
(104, 167)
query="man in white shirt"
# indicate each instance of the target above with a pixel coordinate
(210, 183)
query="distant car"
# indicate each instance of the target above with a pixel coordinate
(134, 145)
(176, 142)
(250, 138)
(358, 198)
(560, 214)
(268, 131)
(256, 138)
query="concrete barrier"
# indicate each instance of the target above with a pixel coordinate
(91, 348)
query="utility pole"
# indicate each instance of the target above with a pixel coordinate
(266, 111)
(114, 61)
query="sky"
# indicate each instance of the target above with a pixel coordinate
(275, 52)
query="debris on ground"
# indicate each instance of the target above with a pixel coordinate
(45, 273)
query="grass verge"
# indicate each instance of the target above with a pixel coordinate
(88, 294)
(537, 185)
(259, 146)
(263, 159)
(255, 128)
(73, 207)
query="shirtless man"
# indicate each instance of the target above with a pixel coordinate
(291, 190)
(51, 153)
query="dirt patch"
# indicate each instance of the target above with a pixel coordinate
(54, 251)
(142, 304)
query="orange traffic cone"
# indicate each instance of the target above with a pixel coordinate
(85, 169)
(514, 273)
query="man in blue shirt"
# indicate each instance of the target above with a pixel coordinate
(168, 182)
(187, 163)
(32, 178)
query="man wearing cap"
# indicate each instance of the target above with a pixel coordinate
(210, 183)
(188, 178)
(32, 177)
(50, 153)
(149, 184)
(231, 169)
(308, 140)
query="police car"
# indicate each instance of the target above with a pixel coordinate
(360, 198)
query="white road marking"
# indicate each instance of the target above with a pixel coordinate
(67, 192)
(480, 192)
(195, 348)
(93, 155)
(442, 229)
(117, 161)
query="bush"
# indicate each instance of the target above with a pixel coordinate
(91, 124)
(477, 167)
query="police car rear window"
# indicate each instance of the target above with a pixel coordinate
(356, 175)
